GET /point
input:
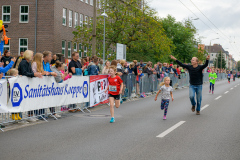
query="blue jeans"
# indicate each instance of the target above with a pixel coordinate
(198, 90)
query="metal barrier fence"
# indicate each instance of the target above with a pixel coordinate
(133, 88)
(148, 84)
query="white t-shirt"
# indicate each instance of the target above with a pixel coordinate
(166, 92)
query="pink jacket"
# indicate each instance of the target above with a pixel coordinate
(67, 77)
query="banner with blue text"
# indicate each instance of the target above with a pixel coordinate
(36, 93)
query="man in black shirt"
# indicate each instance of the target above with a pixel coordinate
(75, 64)
(54, 59)
(73, 68)
(196, 81)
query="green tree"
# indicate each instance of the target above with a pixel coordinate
(182, 36)
(217, 61)
(238, 65)
(140, 29)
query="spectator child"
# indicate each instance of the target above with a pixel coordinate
(14, 73)
(64, 71)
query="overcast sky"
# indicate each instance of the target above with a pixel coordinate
(224, 14)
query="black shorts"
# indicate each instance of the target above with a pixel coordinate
(116, 97)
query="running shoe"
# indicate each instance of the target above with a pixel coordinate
(212, 92)
(164, 118)
(209, 91)
(112, 120)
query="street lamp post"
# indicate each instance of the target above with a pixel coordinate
(104, 15)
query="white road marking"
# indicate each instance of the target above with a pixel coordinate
(218, 97)
(170, 129)
(226, 92)
(204, 107)
(235, 86)
(231, 88)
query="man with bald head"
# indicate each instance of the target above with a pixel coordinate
(196, 81)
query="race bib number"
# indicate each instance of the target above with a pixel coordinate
(112, 88)
(211, 78)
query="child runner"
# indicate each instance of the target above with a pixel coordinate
(115, 89)
(166, 90)
(212, 78)
(229, 77)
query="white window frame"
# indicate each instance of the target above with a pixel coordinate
(86, 1)
(64, 48)
(81, 20)
(86, 20)
(6, 14)
(91, 2)
(23, 14)
(69, 49)
(85, 51)
(100, 5)
(64, 17)
(22, 46)
(80, 49)
(76, 19)
(75, 47)
(7, 46)
(70, 18)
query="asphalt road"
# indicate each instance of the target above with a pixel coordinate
(213, 135)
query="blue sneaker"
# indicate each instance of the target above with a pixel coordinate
(112, 120)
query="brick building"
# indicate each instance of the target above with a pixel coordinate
(41, 25)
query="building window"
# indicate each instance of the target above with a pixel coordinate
(75, 47)
(81, 20)
(70, 18)
(23, 44)
(64, 16)
(90, 21)
(7, 46)
(100, 5)
(76, 19)
(24, 14)
(6, 14)
(80, 49)
(63, 47)
(91, 2)
(86, 20)
(69, 49)
(86, 1)
(85, 51)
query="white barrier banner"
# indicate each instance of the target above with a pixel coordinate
(36, 93)
(98, 84)
(3, 94)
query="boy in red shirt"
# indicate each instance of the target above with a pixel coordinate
(115, 89)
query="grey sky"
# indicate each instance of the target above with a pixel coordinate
(224, 14)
